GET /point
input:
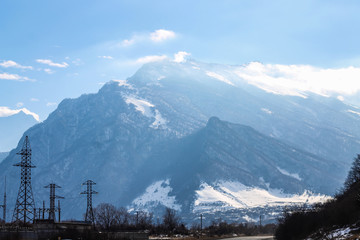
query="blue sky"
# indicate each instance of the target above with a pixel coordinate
(51, 50)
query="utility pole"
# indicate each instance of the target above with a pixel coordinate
(4, 203)
(59, 210)
(89, 216)
(137, 218)
(52, 208)
(260, 220)
(25, 204)
(43, 211)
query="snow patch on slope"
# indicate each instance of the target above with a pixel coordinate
(157, 193)
(123, 83)
(148, 110)
(142, 106)
(266, 111)
(354, 112)
(219, 77)
(293, 175)
(226, 195)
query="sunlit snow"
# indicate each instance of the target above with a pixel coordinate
(266, 110)
(225, 195)
(293, 175)
(148, 110)
(219, 77)
(157, 193)
(354, 112)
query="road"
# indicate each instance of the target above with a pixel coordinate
(251, 238)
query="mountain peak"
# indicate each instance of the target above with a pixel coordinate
(213, 121)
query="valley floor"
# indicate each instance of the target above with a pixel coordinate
(251, 238)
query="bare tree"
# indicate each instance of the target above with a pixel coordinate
(106, 216)
(170, 220)
(354, 173)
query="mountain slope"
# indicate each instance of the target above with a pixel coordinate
(129, 135)
(3, 155)
(223, 153)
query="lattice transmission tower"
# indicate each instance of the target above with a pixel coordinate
(52, 208)
(25, 204)
(89, 216)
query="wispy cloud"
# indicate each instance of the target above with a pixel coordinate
(157, 36)
(34, 99)
(52, 64)
(299, 79)
(128, 42)
(50, 104)
(106, 57)
(181, 56)
(19, 104)
(48, 71)
(161, 35)
(6, 112)
(13, 64)
(152, 58)
(14, 77)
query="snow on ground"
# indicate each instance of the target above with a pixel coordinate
(219, 77)
(338, 234)
(147, 109)
(226, 195)
(157, 194)
(293, 175)
(142, 106)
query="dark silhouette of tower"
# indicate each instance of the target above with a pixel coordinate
(89, 216)
(25, 205)
(52, 208)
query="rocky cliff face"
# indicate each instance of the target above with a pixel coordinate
(154, 127)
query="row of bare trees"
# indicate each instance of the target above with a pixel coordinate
(110, 218)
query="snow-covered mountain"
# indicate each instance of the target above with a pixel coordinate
(152, 134)
(12, 128)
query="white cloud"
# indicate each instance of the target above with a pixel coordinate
(52, 64)
(298, 79)
(50, 104)
(6, 112)
(34, 99)
(127, 42)
(181, 56)
(106, 57)
(153, 58)
(14, 77)
(161, 35)
(13, 64)
(77, 62)
(48, 70)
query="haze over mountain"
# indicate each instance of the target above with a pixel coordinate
(12, 128)
(155, 135)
